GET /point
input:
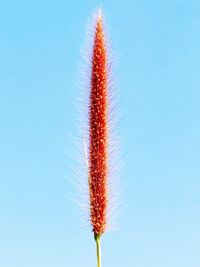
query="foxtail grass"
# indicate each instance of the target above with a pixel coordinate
(97, 140)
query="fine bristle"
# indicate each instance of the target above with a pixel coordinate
(98, 130)
(99, 14)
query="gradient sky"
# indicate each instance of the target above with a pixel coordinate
(157, 47)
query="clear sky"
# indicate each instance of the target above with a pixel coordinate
(157, 47)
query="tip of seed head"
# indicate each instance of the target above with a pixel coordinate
(99, 13)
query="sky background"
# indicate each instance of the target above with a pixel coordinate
(157, 47)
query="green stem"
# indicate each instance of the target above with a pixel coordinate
(98, 246)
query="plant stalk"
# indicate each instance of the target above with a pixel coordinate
(98, 249)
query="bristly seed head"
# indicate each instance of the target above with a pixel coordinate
(98, 131)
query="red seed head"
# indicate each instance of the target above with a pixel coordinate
(98, 131)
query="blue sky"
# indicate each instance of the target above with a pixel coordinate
(157, 46)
